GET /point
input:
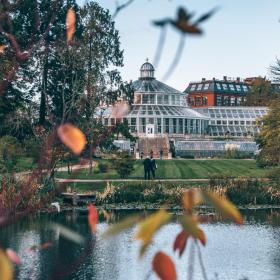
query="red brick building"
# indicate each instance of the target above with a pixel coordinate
(226, 92)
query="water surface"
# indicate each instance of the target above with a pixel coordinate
(232, 252)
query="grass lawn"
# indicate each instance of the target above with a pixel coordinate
(183, 169)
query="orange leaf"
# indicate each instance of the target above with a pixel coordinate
(13, 256)
(92, 217)
(2, 48)
(70, 24)
(6, 268)
(180, 242)
(190, 225)
(164, 267)
(225, 207)
(72, 137)
(191, 198)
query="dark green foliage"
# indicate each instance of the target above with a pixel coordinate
(124, 165)
(103, 167)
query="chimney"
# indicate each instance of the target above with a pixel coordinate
(238, 79)
(203, 79)
(214, 79)
(225, 78)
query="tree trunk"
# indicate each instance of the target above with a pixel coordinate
(42, 113)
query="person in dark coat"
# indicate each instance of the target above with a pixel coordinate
(152, 153)
(161, 153)
(147, 168)
(153, 167)
(141, 155)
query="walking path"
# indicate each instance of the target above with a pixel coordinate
(126, 180)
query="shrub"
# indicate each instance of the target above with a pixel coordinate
(124, 165)
(103, 167)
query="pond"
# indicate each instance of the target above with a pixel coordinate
(232, 252)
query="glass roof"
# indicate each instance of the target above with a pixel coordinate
(158, 110)
(215, 146)
(233, 112)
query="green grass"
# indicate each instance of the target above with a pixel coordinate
(183, 169)
(24, 164)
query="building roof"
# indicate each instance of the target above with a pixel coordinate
(225, 86)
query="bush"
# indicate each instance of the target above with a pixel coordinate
(103, 167)
(124, 165)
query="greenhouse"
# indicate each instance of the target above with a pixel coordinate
(214, 148)
(160, 109)
(237, 122)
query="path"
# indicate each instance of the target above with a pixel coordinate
(126, 180)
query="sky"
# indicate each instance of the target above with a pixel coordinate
(241, 40)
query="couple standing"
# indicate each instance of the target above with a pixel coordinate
(150, 166)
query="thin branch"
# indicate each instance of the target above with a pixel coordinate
(176, 58)
(191, 261)
(201, 261)
(160, 46)
(121, 7)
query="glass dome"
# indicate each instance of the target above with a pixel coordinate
(147, 70)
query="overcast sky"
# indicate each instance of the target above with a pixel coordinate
(241, 40)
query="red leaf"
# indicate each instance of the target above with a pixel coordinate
(180, 242)
(164, 267)
(92, 217)
(13, 256)
(46, 245)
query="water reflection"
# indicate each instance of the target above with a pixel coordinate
(232, 252)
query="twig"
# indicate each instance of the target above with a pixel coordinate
(160, 46)
(121, 7)
(201, 261)
(176, 58)
(190, 269)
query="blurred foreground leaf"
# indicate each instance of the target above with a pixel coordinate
(150, 225)
(92, 217)
(70, 24)
(225, 207)
(121, 226)
(13, 256)
(164, 267)
(190, 225)
(72, 137)
(6, 268)
(68, 233)
(181, 242)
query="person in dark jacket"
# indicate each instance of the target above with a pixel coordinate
(153, 167)
(147, 168)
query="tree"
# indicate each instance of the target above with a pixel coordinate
(262, 93)
(269, 136)
(124, 165)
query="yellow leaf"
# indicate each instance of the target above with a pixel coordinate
(121, 226)
(190, 225)
(6, 268)
(225, 207)
(70, 24)
(150, 225)
(72, 137)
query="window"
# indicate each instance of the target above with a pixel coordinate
(159, 125)
(137, 99)
(219, 100)
(245, 88)
(133, 124)
(145, 99)
(219, 122)
(181, 126)
(166, 99)
(166, 127)
(177, 100)
(159, 99)
(106, 121)
(198, 101)
(236, 122)
(230, 122)
(231, 86)
(206, 86)
(232, 101)
(238, 101)
(173, 99)
(191, 101)
(226, 100)
(113, 122)
(174, 125)
(224, 122)
(199, 87)
(242, 122)
(193, 87)
(205, 100)
(152, 99)
(218, 86)
(238, 87)
(225, 87)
